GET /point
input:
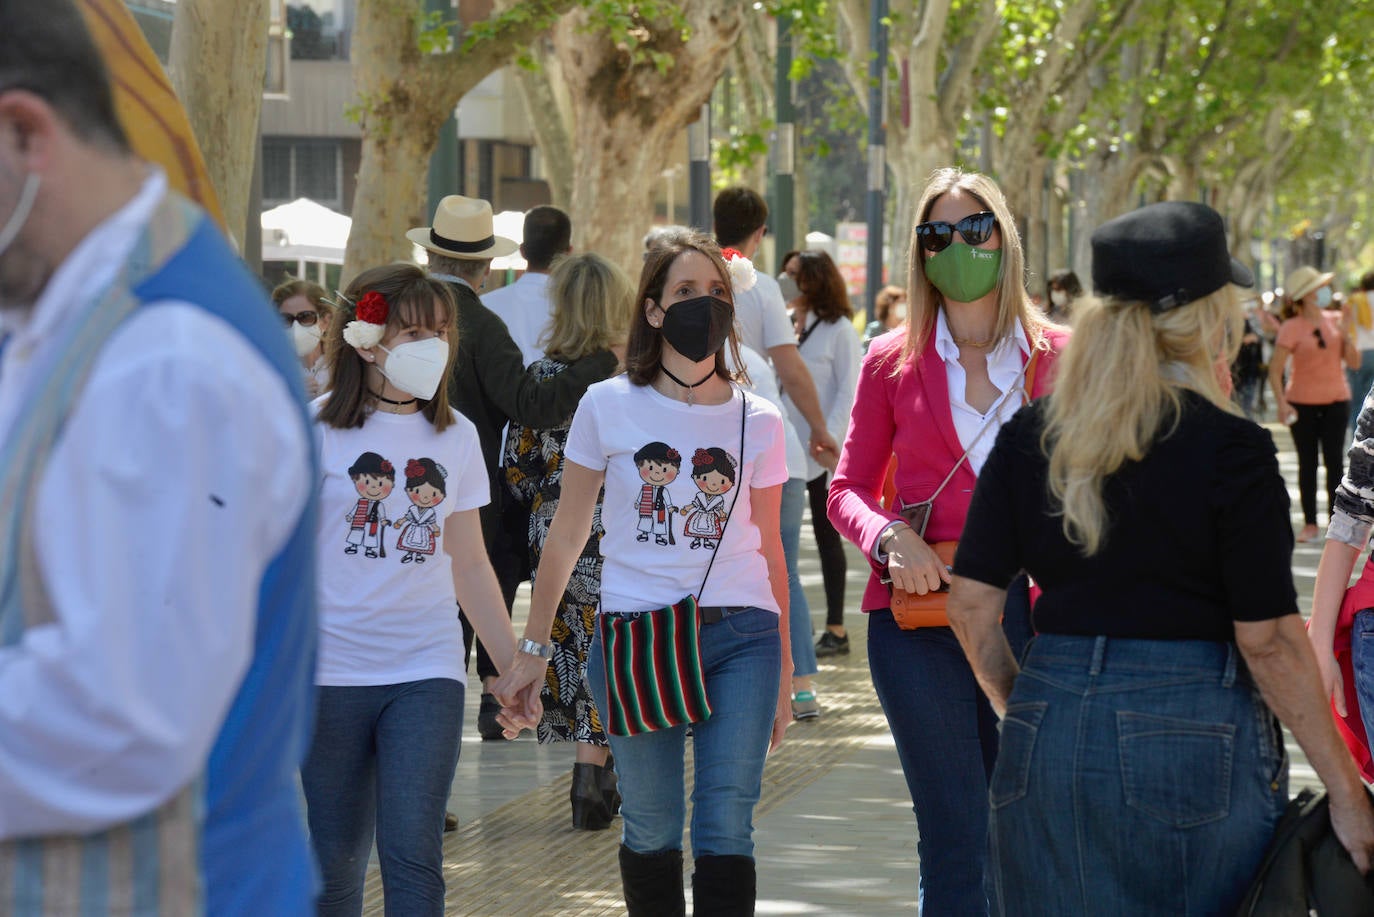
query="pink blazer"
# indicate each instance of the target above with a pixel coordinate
(907, 415)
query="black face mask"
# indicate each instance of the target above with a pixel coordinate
(697, 328)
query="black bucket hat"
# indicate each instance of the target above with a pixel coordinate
(1166, 255)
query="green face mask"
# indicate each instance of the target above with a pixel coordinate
(964, 273)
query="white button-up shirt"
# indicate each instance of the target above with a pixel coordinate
(525, 308)
(1005, 362)
(177, 477)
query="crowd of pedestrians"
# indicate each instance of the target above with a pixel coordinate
(1081, 619)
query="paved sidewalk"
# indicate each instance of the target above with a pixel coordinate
(834, 829)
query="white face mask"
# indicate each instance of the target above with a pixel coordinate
(898, 312)
(417, 367)
(1059, 297)
(306, 338)
(1323, 297)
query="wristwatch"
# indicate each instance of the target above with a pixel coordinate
(542, 650)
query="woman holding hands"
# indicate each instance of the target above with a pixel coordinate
(673, 428)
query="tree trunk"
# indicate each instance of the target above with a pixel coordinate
(217, 64)
(627, 113)
(544, 92)
(405, 97)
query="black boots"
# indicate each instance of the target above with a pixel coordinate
(723, 886)
(610, 786)
(653, 883)
(589, 808)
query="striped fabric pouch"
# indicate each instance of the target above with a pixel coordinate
(654, 678)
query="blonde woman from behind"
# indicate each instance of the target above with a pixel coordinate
(591, 300)
(1141, 723)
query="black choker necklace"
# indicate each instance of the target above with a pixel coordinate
(399, 404)
(689, 385)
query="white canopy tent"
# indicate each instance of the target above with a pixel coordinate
(304, 231)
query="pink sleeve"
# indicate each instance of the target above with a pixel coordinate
(853, 505)
(1288, 334)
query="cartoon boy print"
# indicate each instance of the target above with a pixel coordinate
(713, 472)
(658, 464)
(420, 525)
(374, 478)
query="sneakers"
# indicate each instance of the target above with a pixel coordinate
(805, 706)
(832, 645)
(487, 726)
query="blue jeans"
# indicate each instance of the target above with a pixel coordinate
(799, 610)
(381, 763)
(1360, 379)
(742, 658)
(946, 736)
(1362, 661)
(1136, 777)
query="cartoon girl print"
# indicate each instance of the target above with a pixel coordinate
(420, 525)
(713, 472)
(658, 465)
(374, 478)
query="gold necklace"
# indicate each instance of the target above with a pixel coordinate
(977, 345)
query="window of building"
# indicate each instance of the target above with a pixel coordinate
(302, 168)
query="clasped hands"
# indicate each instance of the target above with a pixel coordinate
(517, 690)
(913, 565)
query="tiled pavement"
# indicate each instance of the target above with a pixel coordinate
(834, 829)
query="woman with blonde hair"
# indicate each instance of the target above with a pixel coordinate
(591, 300)
(1142, 770)
(974, 351)
(307, 313)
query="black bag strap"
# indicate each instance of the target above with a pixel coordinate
(743, 413)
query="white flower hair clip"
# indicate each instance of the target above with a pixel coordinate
(742, 273)
(367, 330)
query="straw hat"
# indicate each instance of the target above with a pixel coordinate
(1303, 281)
(462, 229)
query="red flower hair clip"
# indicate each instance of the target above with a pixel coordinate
(387, 467)
(673, 455)
(414, 469)
(742, 274)
(728, 253)
(701, 457)
(372, 308)
(367, 329)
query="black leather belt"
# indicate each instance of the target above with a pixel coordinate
(710, 614)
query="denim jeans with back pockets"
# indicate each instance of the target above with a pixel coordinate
(1135, 777)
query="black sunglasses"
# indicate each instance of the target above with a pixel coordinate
(975, 229)
(307, 318)
(1321, 341)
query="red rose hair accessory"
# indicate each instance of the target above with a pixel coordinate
(742, 273)
(673, 455)
(387, 467)
(414, 469)
(372, 308)
(701, 457)
(367, 329)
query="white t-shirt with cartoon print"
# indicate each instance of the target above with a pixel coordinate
(672, 473)
(387, 607)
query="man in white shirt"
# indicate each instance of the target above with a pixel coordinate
(740, 216)
(157, 626)
(524, 305)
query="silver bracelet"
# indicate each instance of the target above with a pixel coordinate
(542, 650)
